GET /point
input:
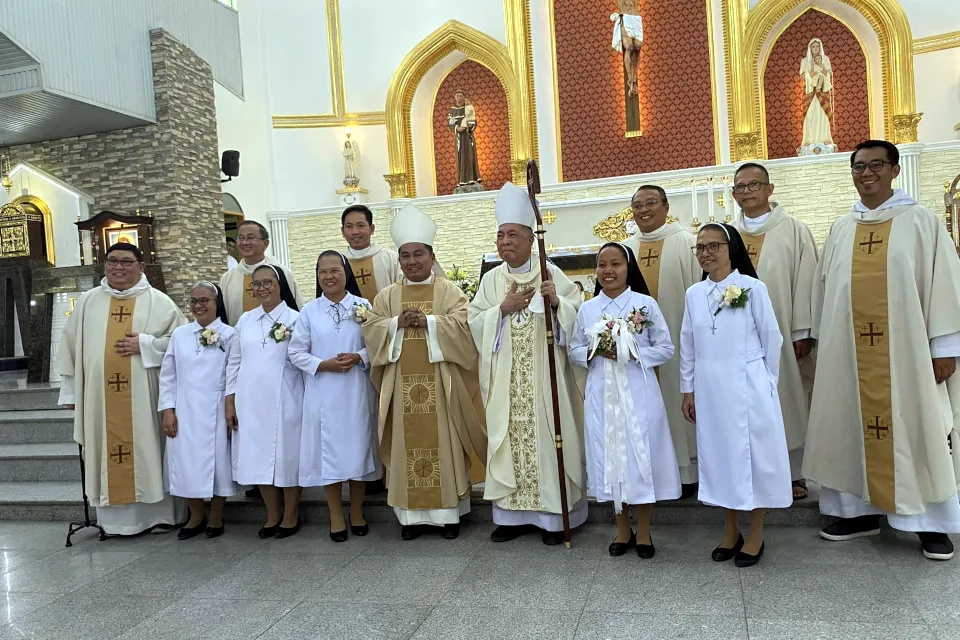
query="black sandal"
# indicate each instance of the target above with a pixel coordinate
(801, 484)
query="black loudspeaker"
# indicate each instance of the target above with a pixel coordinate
(230, 164)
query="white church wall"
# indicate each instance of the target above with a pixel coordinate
(297, 63)
(931, 17)
(938, 94)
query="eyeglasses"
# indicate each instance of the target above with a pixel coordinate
(195, 301)
(750, 186)
(126, 263)
(262, 284)
(876, 166)
(248, 238)
(709, 248)
(649, 204)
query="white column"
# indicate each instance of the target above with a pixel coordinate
(278, 236)
(395, 205)
(910, 169)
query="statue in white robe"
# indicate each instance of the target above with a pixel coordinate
(817, 73)
(115, 401)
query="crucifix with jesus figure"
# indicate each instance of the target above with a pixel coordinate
(627, 40)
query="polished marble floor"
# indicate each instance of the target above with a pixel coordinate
(238, 587)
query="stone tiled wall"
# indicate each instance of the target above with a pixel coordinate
(170, 168)
(818, 194)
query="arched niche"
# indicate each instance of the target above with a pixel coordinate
(452, 37)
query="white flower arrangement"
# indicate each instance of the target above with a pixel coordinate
(280, 332)
(460, 277)
(361, 311)
(210, 338)
(733, 297)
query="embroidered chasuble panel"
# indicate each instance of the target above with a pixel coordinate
(420, 426)
(648, 258)
(522, 423)
(250, 299)
(754, 245)
(868, 298)
(366, 279)
(118, 405)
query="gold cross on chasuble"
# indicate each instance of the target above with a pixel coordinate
(118, 406)
(421, 438)
(648, 257)
(868, 298)
(754, 245)
(250, 299)
(366, 279)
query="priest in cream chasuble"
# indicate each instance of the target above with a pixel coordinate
(886, 314)
(784, 254)
(110, 355)
(506, 318)
(424, 363)
(237, 283)
(664, 252)
(375, 267)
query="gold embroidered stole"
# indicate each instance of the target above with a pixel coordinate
(754, 245)
(366, 279)
(118, 405)
(250, 299)
(419, 383)
(868, 298)
(522, 423)
(649, 260)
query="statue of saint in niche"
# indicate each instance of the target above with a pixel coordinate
(627, 38)
(462, 122)
(817, 76)
(351, 158)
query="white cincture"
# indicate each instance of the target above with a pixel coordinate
(619, 410)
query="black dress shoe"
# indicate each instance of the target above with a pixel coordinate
(936, 546)
(850, 528)
(339, 536)
(268, 532)
(186, 534)
(451, 531)
(689, 490)
(504, 533)
(253, 493)
(360, 530)
(410, 532)
(551, 538)
(746, 560)
(646, 551)
(617, 549)
(722, 554)
(214, 532)
(286, 532)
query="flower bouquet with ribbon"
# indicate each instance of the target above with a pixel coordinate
(615, 339)
(210, 338)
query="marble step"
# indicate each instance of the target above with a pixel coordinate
(23, 397)
(36, 426)
(63, 501)
(44, 462)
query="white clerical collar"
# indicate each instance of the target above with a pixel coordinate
(276, 314)
(216, 324)
(899, 198)
(525, 268)
(429, 280)
(255, 264)
(358, 254)
(756, 223)
(142, 285)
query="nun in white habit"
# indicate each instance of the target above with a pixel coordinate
(339, 434)
(630, 455)
(264, 402)
(192, 381)
(729, 366)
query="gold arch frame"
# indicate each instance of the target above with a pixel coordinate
(479, 47)
(763, 69)
(47, 223)
(745, 32)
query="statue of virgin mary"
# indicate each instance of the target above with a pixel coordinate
(817, 76)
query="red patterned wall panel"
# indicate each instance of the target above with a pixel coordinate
(783, 85)
(492, 133)
(675, 90)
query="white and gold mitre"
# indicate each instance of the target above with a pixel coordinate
(513, 207)
(412, 225)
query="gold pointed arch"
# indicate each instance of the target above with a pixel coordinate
(479, 47)
(745, 32)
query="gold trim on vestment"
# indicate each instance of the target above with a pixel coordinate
(868, 297)
(118, 406)
(366, 277)
(250, 299)
(754, 245)
(648, 257)
(418, 380)
(522, 423)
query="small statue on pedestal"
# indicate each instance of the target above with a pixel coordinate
(462, 122)
(352, 192)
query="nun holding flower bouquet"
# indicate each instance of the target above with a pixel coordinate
(620, 338)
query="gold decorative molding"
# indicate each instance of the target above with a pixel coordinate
(479, 47)
(938, 42)
(47, 223)
(556, 88)
(905, 127)
(518, 172)
(746, 146)
(516, 17)
(339, 117)
(747, 30)
(398, 185)
(614, 228)
(713, 83)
